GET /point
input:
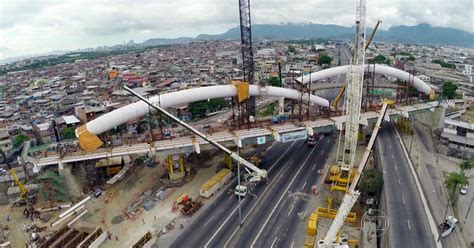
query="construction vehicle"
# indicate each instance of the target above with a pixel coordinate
(188, 206)
(339, 95)
(26, 198)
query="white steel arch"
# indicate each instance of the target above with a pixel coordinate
(379, 69)
(137, 109)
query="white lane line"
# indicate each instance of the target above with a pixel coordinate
(321, 153)
(314, 166)
(207, 222)
(250, 211)
(279, 200)
(396, 167)
(292, 244)
(303, 185)
(403, 199)
(399, 182)
(392, 156)
(274, 242)
(408, 222)
(291, 209)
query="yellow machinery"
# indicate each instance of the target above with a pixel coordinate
(343, 89)
(25, 196)
(24, 191)
(176, 166)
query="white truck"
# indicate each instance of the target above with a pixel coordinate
(241, 190)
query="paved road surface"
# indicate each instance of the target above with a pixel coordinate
(290, 165)
(408, 222)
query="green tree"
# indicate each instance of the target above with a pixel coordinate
(380, 59)
(198, 108)
(466, 164)
(455, 179)
(325, 59)
(371, 182)
(449, 90)
(411, 57)
(291, 49)
(19, 139)
(442, 63)
(217, 104)
(275, 81)
(234, 61)
(69, 133)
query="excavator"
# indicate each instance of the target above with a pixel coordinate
(26, 197)
(339, 95)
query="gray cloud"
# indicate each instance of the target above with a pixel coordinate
(44, 25)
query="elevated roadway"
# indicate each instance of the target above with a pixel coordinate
(189, 143)
(409, 225)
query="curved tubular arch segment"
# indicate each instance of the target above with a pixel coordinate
(137, 109)
(379, 69)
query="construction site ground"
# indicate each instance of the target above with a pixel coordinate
(353, 231)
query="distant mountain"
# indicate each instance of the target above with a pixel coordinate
(420, 34)
(163, 41)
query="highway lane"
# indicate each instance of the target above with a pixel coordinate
(280, 231)
(208, 222)
(408, 222)
(275, 207)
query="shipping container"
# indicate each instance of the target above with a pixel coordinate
(209, 188)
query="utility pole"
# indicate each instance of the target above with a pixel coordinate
(238, 183)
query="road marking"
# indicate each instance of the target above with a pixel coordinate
(408, 222)
(321, 153)
(399, 181)
(258, 200)
(396, 167)
(274, 242)
(207, 222)
(314, 166)
(291, 209)
(279, 200)
(303, 185)
(292, 244)
(392, 156)
(403, 198)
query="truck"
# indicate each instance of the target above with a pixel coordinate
(241, 190)
(448, 226)
(215, 183)
(312, 140)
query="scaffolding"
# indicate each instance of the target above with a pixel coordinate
(369, 85)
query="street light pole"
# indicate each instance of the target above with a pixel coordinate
(468, 209)
(238, 183)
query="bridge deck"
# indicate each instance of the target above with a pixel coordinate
(224, 136)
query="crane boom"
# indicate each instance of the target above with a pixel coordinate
(353, 102)
(257, 173)
(351, 196)
(24, 191)
(343, 89)
(354, 90)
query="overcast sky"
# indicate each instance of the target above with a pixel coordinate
(40, 26)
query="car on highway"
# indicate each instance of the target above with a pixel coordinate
(463, 190)
(448, 226)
